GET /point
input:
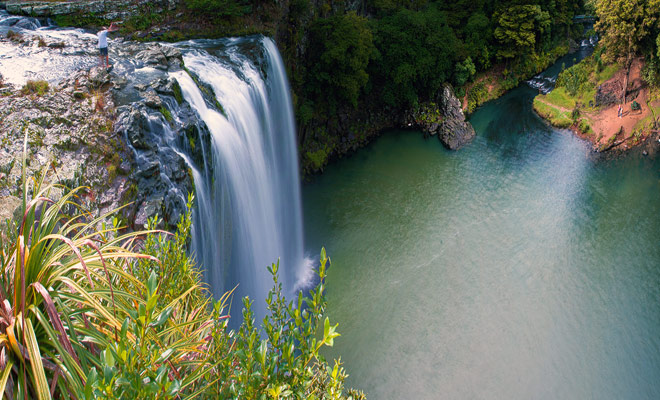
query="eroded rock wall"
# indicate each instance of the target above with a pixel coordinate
(108, 9)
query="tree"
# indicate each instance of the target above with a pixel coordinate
(416, 54)
(220, 8)
(340, 49)
(477, 35)
(464, 71)
(518, 27)
(623, 25)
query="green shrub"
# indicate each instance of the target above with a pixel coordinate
(584, 127)
(317, 159)
(14, 36)
(35, 87)
(574, 78)
(221, 8)
(651, 72)
(464, 71)
(477, 95)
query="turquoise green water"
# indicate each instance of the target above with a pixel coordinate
(519, 267)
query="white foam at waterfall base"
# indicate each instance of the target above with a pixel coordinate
(248, 214)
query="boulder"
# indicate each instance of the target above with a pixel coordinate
(151, 99)
(8, 206)
(135, 124)
(148, 209)
(98, 77)
(454, 131)
(152, 56)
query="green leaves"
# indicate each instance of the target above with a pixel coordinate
(338, 61)
(329, 332)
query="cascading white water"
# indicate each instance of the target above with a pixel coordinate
(249, 213)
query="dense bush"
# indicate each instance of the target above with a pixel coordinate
(341, 48)
(417, 53)
(221, 8)
(574, 78)
(477, 95)
(651, 72)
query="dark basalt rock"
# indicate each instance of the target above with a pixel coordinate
(454, 131)
(608, 93)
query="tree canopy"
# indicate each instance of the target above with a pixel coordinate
(624, 26)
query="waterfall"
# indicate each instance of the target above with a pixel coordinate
(248, 211)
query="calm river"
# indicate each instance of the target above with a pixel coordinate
(519, 267)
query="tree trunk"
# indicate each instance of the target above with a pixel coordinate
(625, 83)
(627, 66)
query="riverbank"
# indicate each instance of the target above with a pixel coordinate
(586, 101)
(493, 83)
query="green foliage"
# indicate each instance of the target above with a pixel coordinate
(417, 51)
(176, 88)
(624, 26)
(584, 127)
(574, 78)
(35, 87)
(464, 71)
(79, 20)
(166, 113)
(478, 34)
(519, 29)
(477, 95)
(141, 21)
(220, 8)
(55, 272)
(317, 159)
(338, 62)
(651, 72)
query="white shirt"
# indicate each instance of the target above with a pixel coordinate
(103, 38)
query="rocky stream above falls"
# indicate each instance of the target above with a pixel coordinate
(112, 131)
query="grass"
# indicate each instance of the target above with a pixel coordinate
(35, 87)
(555, 116)
(607, 73)
(560, 97)
(14, 36)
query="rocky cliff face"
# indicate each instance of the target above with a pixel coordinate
(445, 119)
(110, 10)
(111, 131)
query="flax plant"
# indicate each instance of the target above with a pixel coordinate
(70, 307)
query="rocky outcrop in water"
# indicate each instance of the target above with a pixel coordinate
(110, 10)
(454, 131)
(444, 119)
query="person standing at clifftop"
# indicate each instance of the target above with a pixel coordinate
(103, 44)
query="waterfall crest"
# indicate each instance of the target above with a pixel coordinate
(248, 192)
